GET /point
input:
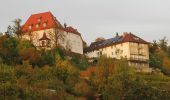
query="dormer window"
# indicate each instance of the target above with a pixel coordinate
(30, 27)
(136, 38)
(37, 25)
(45, 24)
(39, 19)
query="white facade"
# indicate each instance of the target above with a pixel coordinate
(137, 54)
(69, 41)
(74, 42)
(122, 50)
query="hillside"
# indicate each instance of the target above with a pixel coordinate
(31, 74)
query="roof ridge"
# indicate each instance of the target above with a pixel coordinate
(42, 13)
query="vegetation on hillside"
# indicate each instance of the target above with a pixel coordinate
(160, 55)
(30, 74)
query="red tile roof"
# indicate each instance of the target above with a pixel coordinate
(126, 37)
(37, 21)
(72, 30)
(129, 37)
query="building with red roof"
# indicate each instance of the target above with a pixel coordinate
(45, 31)
(127, 46)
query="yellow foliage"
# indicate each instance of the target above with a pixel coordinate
(46, 68)
(82, 88)
(166, 62)
(165, 59)
(66, 66)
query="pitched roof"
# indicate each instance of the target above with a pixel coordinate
(126, 37)
(72, 30)
(129, 37)
(37, 21)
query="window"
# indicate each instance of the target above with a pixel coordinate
(48, 43)
(30, 27)
(98, 53)
(44, 24)
(136, 38)
(37, 25)
(39, 19)
(43, 43)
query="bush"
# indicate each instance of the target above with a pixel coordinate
(80, 62)
(46, 58)
(115, 80)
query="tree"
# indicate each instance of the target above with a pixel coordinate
(153, 47)
(155, 61)
(9, 31)
(169, 51)
(163, 44)
(84, 44)
(57, 37)
(8, 50)
(115, 80)
(46, 58)
(17, 28)
(80, 62)
(105, 68)
(8, 87)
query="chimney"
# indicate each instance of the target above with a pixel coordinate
(125, 33)
(65, 25)
(117, 34)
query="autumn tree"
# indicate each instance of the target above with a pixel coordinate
(8, 85)
(9, 31)
(17, 28)
(153, 47)
(57, 36)
(105, 68)
(163, 43)
(9, 51)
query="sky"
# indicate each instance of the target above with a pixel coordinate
(148, 19)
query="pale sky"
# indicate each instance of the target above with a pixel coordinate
(149, 19)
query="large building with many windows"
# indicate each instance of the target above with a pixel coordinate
(45, 31)
(127, 46)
